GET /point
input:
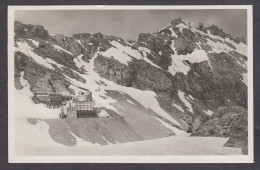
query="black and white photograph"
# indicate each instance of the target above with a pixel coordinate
(130, 84)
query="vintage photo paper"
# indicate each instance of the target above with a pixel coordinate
(130, 84)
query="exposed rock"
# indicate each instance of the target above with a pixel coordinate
(202, 28)
(176, 21)
(206, 47)
(166, 32)
(219, 32)
(113, 70)
(157, 44)
(197, 123)
(147, 77)
(214, 30)
(138, 74)
(227, 78)
(46, 50)
(230, 45)
(226, 122)
(188, 34)
(39, 78)
(183, 46)
(68, 44)
(92, 43)
(30, 31)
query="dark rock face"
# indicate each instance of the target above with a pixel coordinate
(39, 78)
(166, 32)
(69, 44)
(113, 70)
(227, 79)
(147, 77)
(157, 44)
(30, 31)
(202, 28)
(240, 59)
(216, 31)
(183, 46)
(197, 124)
(225, 122)
(188, 34)
(138, 74)
(230, 45)
(92, 43)
(206, 47)
(219, 32)
(176, 22)
(46, 50)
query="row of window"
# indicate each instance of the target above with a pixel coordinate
(85, 107)
(82, 103)
(74, 109)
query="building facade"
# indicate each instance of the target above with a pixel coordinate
(81, 106)
(70, 112)
(55, 100)
(83, 102)
(42, 97)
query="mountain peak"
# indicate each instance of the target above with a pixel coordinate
(30, 31)
(177, 21)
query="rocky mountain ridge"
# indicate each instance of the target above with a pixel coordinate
(190, 71)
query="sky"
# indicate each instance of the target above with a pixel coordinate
(128, 24)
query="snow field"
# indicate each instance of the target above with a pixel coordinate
(59, 48)
(178, 107)
(25, 108)
(208, 112)
(177, 131)
(27, 50)
(173, 145)
(185, 101)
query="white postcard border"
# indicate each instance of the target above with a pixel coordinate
(127, 159)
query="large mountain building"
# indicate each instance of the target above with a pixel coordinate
(82, 104)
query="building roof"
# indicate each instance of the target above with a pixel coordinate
(86, 97)
(78, 101)
(41, 93)
(57, 94)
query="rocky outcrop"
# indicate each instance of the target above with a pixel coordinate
(147, 77)
(183, 46)
(189, 35)
(113, 70)
(161, 49)
(206, 47)
(39, 78)
(227, 78)
(92, 43)
(176, 21)
(68, 44)
(138, 74)
(30, 31)
(225, 122)
(48, 51)
(219, 32)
